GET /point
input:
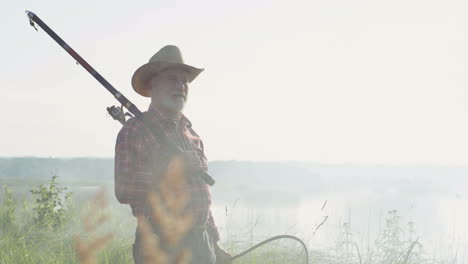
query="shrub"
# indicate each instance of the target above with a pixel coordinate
(51, 205)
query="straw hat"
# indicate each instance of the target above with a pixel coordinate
(167, 57)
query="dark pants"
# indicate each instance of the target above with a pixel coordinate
(198, 242)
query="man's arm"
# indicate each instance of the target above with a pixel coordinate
(131, 178)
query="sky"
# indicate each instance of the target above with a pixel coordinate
(336, 81)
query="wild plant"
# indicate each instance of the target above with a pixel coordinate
(345, 243)
(86, 249)
(393, 247)
(7, 211)
(170, 217)
(51, 205)
(417, 253)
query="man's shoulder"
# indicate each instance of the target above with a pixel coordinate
(132, 127)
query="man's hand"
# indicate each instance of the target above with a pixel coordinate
(222, 256)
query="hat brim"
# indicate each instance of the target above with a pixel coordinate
(143, 74)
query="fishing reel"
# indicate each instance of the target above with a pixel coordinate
(118, 113)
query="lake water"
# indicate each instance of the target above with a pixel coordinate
(440, 221)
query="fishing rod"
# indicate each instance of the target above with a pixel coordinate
(33, 18)
(117, 113)
(273, 239)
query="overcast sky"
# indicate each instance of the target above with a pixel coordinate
(334, 81)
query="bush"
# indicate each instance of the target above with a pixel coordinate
(51, 205)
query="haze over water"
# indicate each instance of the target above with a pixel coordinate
(436, 204)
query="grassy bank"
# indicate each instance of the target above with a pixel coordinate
(46, 225)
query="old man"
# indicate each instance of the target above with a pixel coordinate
(142, 159)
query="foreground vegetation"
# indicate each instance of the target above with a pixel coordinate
(49, 228)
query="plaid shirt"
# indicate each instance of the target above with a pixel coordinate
(140, 160)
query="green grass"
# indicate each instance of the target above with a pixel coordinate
(40, 247)
(24, 241)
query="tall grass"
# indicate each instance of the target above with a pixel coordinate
(91, 234)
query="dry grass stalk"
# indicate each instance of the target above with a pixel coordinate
(169, 205)
(151, 250)
(169, 215)
(86, 250)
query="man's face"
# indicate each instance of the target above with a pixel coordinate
(169, 90)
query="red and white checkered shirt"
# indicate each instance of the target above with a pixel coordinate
(141, 161)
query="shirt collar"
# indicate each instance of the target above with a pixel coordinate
(157, 115)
